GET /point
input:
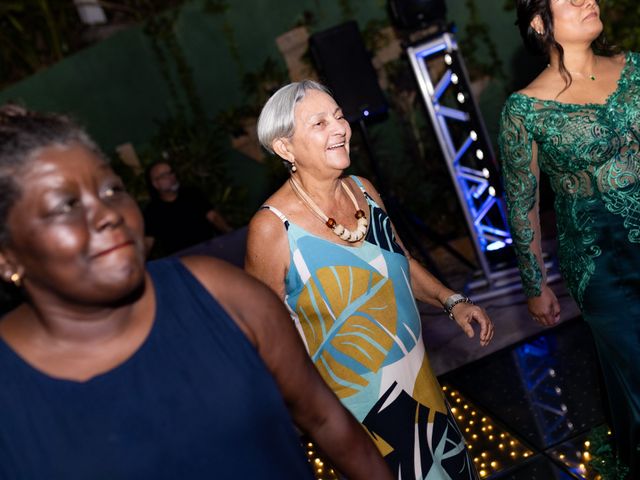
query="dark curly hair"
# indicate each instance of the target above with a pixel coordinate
(544, 43)
(23, 134)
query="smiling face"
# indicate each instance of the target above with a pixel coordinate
(320, 140)
(575, 21)
(75, 234)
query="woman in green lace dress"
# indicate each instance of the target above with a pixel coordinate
(579, 122)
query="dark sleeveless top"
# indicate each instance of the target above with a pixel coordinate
(195, 401)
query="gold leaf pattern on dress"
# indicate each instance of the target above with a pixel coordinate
(427, 390)
(351, 326)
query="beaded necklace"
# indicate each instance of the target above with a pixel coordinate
(337, 228)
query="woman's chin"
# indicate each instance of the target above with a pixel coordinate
(341, 161)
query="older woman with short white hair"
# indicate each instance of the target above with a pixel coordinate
(324, 243)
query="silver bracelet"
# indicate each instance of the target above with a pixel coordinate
(452, 301)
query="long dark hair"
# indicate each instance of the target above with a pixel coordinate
(544, 43)
(22, 134)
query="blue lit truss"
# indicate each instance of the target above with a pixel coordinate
(537, 364)
(443, 82)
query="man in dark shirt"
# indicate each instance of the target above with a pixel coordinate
(177, 217)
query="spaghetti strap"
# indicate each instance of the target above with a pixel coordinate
(359, 184)
(278, 213)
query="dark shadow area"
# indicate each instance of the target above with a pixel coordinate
(230, 247)
(523, 68)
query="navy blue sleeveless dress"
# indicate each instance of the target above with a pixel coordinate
(195, 401)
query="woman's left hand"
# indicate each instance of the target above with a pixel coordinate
(465, 314)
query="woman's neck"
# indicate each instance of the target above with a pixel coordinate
(577, 60)
(324, 190)
(66, 323)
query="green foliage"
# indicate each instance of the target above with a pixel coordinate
(604, 461)
(348, 12)
(35, 34)
(258, 86)
(621, 27)
(215, 7)
(197, 152)
(229, 35)
(306, 19)
(479, 49)
(373, 35)
(160, 29)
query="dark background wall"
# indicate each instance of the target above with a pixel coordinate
(116, 88)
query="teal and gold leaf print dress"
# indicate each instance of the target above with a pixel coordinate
(355, 311)
(591, 154)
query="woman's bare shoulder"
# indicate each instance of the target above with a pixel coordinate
(541, 87)
(619, 59)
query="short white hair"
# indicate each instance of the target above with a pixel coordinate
(276, 119)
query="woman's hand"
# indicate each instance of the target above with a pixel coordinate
(545, 309)
(465, 314)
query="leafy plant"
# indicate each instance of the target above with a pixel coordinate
(35, 34)
(373, 35)
(620, 23)
(478, 48)
(170, 56)
(215, 7)
(347, 10)
(258, 86)
(604, 460)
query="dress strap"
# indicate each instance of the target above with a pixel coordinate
(359, 184)
(277, 213)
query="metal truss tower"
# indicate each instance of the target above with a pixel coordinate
(445, 88)
(537, 363)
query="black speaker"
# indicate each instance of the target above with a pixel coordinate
(417, 14)
(345, 66)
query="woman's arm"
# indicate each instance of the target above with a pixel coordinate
(521, 175)
(429, 289)
(313, 406)
(216, 219)
(267, 255)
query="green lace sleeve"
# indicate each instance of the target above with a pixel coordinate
(520, 186)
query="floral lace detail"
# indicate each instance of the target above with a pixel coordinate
(576, 239)
(591, 155)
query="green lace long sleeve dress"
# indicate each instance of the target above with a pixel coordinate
(591, 154)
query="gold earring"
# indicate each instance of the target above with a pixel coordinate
(16, 279)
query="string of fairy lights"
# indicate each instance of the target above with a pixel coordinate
(491, 447)
(578, 460)
(321, 468)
